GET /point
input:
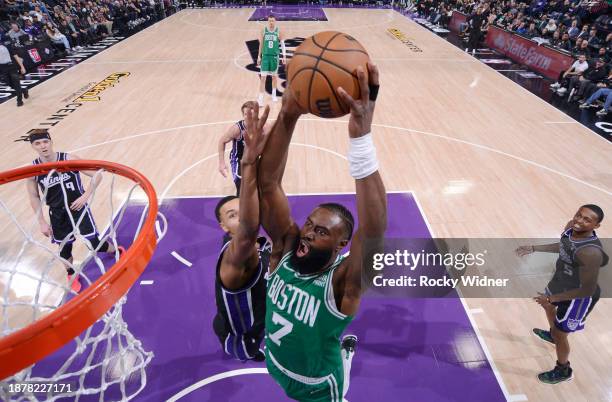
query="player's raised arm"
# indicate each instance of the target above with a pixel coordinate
(371, 193)
(275, 213)
(242, 253)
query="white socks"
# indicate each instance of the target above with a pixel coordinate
(347, 360)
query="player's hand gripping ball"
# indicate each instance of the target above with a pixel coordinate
(320, 65)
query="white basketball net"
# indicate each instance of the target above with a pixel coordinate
(106, 360)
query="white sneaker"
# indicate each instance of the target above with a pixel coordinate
(274, 99)
(584, 106)
(555, 85)
(561, 91)
(602, 112)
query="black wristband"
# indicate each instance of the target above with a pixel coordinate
(373, 92)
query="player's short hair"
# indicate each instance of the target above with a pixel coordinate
(34, 135)
(595, 208)
(271, 16)
(248, 104)
(344, 213)
(220, 205)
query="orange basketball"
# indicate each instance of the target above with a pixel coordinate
(320, 65)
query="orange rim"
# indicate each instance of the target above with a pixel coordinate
(25, 347)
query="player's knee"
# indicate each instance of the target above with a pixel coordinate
(558, 335)
(66, 252)
(267, 186)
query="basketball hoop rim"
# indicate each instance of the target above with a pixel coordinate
(25, 347)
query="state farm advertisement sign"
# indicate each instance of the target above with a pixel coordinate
(547, 62)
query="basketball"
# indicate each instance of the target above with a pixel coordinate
(320, 65)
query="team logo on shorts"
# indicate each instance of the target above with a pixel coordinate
(573, 324)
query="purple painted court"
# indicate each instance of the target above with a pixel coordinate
(289, 13)
(409, 349)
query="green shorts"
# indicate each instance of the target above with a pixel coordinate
(269, 64)
(323, 389)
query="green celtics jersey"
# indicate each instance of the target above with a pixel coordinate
(271, 42)
(303, 324)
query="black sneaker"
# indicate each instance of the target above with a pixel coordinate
(556, 375)
(349, 343)
(19, 102)
(259, 356)
(26, 93)
(544, 335)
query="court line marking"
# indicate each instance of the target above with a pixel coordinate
(562, 122)
(476, 310)
(216, 154)
(242, 54)
(483, 344)
(549, 106)
(499, 152)
(147, 282)
(178, 197)
(214, 378)
(181, 259)
(452, 139)
(517, 398)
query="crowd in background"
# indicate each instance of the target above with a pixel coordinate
(71, 24)
(578, 27)
(581, 28)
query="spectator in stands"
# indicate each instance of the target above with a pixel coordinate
(57, 37)
(103, 19)
(522, 28)
(25, 16)
(584, 34)
(577, 69)
(555, 40)
(551, 26)
(603, 54)
(36, 13)
(608, 43)
(577, 46)
(566, 43)
(601, 92)
(37, 23)
(31, 29)
(15, 32)
(585, 49)
(593, 40)
(593, 74)
(591, 88)
(573, 31)
(532, 32)
(77, 38)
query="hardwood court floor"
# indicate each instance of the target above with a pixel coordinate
(484, 157)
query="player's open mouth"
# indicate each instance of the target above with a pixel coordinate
(303, 249)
